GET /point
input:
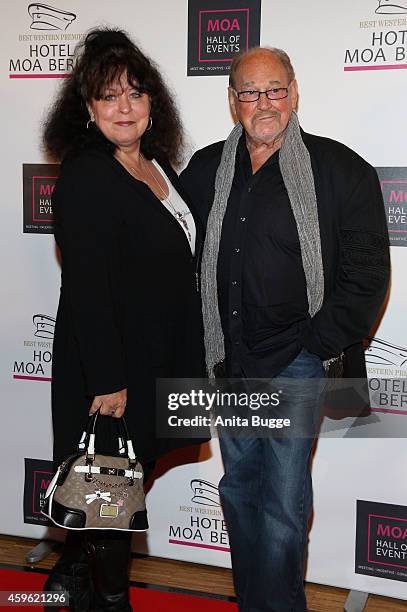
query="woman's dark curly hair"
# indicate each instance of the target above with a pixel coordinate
(101, 59)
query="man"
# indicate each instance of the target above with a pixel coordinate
(294, 270)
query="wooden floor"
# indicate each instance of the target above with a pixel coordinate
(194, 577)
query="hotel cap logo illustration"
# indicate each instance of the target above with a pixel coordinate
(205, 493)
(386, 354)
(391, 7)
(44, 326)
(45, 17)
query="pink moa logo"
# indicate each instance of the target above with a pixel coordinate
(222, 33)
(46, 190)
(45, 483)
(391, 532)
(226, 25)
(398, 196)
(41, 480)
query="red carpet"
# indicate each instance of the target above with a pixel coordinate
(142, 600)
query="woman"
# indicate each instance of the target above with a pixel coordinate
(129, 307)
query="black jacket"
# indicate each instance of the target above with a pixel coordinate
(129, 311)
(354, 242)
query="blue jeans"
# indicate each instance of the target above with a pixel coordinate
(266, 495)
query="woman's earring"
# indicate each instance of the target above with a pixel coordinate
(150, 124)
(91, 120)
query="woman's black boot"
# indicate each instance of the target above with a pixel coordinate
(109, 557)
(71, 573)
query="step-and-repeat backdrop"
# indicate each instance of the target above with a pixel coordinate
(350, 58)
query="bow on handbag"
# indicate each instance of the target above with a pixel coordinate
(98, 495)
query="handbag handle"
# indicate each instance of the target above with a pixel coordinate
(88, 438)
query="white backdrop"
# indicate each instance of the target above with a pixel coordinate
(365, 109)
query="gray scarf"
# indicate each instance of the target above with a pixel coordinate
(295, 166)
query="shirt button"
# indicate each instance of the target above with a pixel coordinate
(237, 250)
(249, 189)
(234, 283)
(235, 313)
(236, 343)
(242, 219)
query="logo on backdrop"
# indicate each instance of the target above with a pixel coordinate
(382, 353)
(219, 30)
(38, 474)
(43, 47)
(386, 365)
(35, 356)
(390, 7)
(38, 185)
(199, 523)
(205, 493)
(381, 540)
(377, 41)
(46, 17)
(44, 326)
(394, 188)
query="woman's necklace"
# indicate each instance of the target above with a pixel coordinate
(161, 194)
(178, 214)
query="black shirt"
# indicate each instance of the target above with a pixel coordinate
(261, 283)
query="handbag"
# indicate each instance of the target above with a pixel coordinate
(94, 491)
